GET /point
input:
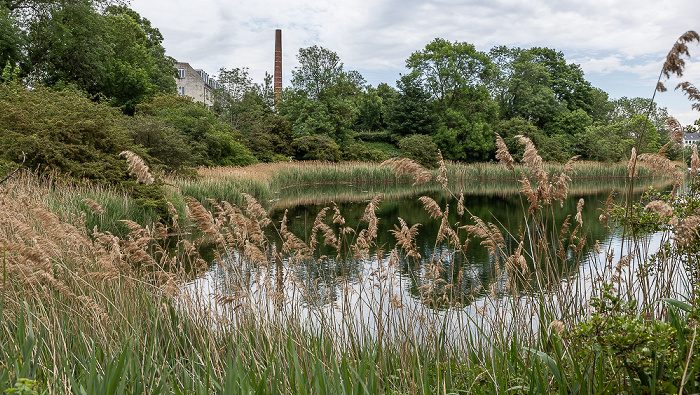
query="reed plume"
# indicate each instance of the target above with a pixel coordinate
(694, 162)
(502, 153)
(675, 132)
(138, 167)
(408, 167)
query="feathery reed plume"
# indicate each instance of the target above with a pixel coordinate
(687, 230)
(659, 163)
(674, 64)
(255, 210)
(431, 206)
(692, 92)
(502, 153)
(138, 167)
(460, 205)
(675, 132)
(442, 173)
(607, 211)
(173, 214)
(94, 206)
(318, 222)
(405, 238)
(532, 159)
(579, 208)
(632, 169)
(446, 230)
(694, 162)
(409, 167)
(203, 218)
(660, 207)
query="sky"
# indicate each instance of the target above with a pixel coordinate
(620, 44)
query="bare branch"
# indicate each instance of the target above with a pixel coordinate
(7, 177)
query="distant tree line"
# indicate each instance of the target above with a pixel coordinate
(86, 79)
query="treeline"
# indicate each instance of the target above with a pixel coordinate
(87, 79)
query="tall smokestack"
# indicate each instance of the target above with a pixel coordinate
(278, 64)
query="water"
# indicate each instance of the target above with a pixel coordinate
(333, 287)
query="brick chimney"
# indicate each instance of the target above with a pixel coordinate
(278, 64)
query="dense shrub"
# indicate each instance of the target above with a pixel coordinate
(360, 152)
(317, 147)
(420, 148)
(212, 142)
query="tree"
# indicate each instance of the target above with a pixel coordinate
(322, 97)
(455, 76)
(411, 112)
(420, 148)
(11, 40)
(528, 93)
(212, 141)
(114, 54)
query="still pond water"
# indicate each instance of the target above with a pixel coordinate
(497, 203)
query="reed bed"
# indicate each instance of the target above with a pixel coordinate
(267, 181)
(86, 311)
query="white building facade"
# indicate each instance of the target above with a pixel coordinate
(195, 83)
(690, 139)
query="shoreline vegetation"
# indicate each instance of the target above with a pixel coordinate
(92, 312)
(266, 181)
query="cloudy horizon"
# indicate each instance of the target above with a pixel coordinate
(620, 45)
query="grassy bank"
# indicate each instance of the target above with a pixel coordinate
(265, 181)
(85, 311)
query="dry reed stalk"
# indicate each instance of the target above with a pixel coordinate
(431, 207)
(409, 167)
(694, 162)
(502, 153)
(632, 168)
(446, 231)
(442, 173)
(94, 206)
(138, 167)
(675, 132)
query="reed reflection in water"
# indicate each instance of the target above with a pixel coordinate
(438, 276)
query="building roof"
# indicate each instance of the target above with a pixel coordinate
(691, 136)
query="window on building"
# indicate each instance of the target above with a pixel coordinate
(181, 90)
(181, 73)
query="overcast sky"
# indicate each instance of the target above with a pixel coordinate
(620, 44)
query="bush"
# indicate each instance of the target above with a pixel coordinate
(360, 152)
(420, 148)
(316, 147)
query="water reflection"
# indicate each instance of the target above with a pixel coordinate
(457, 275)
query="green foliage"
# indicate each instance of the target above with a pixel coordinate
(211, 141)
(411, 111)
(24, 386)
(114, 53)
(161, 141)
(316, 147)
(321, 100)
(421, 149)
(63, 131)
(361, 152)
(640, 354)
(11, 41)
